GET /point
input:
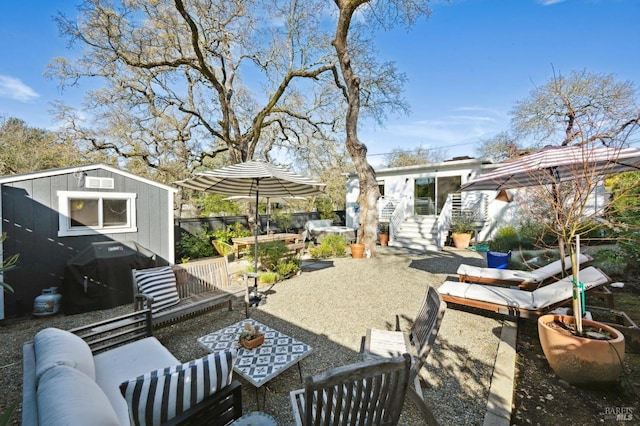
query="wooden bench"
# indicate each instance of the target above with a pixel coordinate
(202, 285)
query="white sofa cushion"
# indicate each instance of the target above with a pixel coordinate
(160, 395)
(69, 397)
(159, 283)
(124, 362)
(53, 347)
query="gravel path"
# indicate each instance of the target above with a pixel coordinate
(330, 306)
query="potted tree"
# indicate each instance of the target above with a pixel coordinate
(462, 227)
(383, 236)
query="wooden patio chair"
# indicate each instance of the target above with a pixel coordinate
(508, 277)
(517, 302)
(367, 393)
(417, 343)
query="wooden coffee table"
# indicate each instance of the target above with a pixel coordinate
(258, 366)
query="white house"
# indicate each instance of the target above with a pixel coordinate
(418, 201)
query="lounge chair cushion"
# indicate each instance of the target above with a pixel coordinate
(66, 396)
(159, 283)
(160, 395)
(540, 298)
(535, 276)
(59, 347)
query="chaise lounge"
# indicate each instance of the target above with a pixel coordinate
(517, 302)
(509, 277)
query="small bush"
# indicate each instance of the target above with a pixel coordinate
(612, 262)
(330, 246)
(269, 254)
(195, 246)
(268, 278)
(506, 239)
(288, 267)
(231, 231)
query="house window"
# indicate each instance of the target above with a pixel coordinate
(381, 188)
(86, 213)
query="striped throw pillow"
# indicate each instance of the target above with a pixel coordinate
(160, 395)
(159, 283)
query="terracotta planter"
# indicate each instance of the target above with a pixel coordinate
(581, 360)
(461, 241)
(384, 239)
(357, 250)
(253, 343)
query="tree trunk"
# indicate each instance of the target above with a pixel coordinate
(369, 192)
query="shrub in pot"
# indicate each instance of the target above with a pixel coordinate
(462, 227)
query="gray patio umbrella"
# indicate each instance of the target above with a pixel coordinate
(555, 164)
(253, 179)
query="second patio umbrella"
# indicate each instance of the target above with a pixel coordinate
(555, 164)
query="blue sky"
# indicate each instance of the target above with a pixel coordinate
(467, 64)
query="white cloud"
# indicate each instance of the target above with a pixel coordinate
(13, 88)
(550, 2)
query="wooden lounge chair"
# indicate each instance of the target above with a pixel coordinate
(366, 393)
(417, 343)
(517, 302)
(508, 277)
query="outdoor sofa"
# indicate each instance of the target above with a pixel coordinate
(115, 372)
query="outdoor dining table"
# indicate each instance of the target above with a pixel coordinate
(240, 243)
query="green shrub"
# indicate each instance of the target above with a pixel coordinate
(330, 246)
(533, 234)
(231, 231)
(505, 239)
(195, 246)
(269, 254)
(283, 221)
(612, 262)
(288, 267)
(268, 277)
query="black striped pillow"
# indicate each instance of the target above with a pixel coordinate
(159, 283)
(160, 395)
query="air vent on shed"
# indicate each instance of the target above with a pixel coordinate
(98, 182)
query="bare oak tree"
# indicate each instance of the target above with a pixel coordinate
(384, 13)
(578, 109)
(185, 81)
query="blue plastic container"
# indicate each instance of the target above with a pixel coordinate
(498, 260)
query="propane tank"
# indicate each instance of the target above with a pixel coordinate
(48, 303)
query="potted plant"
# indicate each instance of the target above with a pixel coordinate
(462, 227)
(384, 233)
(250, 337)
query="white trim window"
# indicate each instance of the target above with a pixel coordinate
(87, 213)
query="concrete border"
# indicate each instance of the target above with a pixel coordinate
(500, 401)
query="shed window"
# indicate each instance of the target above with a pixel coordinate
(85, 213)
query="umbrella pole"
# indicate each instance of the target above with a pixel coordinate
(255, 246)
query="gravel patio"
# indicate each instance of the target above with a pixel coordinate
(329, 306)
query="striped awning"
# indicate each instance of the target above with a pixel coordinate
(252, 178)
(555, 164)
